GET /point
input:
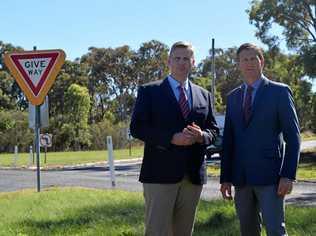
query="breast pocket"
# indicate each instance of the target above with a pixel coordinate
(200, 113)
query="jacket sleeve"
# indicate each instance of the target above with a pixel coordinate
(141, 123)
(291, 133)
(211, 130)
(228, 147)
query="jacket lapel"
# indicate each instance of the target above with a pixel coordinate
(259, 94)
(194, 96)
(172, 100)
(258, 98)
(239, 103)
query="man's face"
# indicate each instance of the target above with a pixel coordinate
(250, 65)
(180, 63)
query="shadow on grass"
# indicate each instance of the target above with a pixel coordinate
(96, 220)
(217, 218)
(219, 224)
(216, 221)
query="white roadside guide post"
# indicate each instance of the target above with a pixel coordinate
(30, 157)
(15, 156)
(111, 159)
(35, 72)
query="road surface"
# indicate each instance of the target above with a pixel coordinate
(304, 193)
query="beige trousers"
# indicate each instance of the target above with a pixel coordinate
(170, 208)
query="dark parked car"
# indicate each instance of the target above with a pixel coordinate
(213, 151)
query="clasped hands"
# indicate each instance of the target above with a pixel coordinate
(189, 135)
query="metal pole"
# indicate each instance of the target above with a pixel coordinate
(45, 154)
(213, 75)
(37, 143)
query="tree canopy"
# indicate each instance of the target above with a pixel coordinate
(296, 19)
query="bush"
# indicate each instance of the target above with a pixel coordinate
(14, 131)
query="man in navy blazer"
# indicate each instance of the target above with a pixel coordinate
(260, 148)
(175, 120)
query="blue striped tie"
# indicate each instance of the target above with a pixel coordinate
(183, 102)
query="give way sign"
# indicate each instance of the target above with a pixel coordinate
(35, 71)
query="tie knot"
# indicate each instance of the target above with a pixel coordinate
(249, 89)
(181, 87)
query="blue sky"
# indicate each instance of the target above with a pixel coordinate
(75, 25)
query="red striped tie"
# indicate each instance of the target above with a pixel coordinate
(183, 102)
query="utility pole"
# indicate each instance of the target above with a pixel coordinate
(213, 76)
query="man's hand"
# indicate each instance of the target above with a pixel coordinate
(182, 139)
(226, 190)
(195, 132)
(285, 187)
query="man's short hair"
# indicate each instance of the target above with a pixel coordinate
(247, 46)
(182, 44)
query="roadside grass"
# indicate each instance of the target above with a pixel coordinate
(70, 158)
(306, 169)
(308, 135)
(214, 170)
(80, 211)
(307, 166)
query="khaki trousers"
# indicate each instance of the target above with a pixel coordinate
(170, 208)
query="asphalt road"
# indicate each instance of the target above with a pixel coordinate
(304, 193)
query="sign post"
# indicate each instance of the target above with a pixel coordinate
(35, 72)
(37, 143)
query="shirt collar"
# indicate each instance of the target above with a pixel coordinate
(256, 84)
(175, 83)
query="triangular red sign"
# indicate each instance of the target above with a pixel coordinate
(37, 68)
(35, 71)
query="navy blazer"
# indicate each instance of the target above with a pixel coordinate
(268, 147)
(156, 118)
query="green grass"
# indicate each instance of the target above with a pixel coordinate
(78, 211)
(70, 158)
(306, 169)
(308, 135)
(307, 166)
(213, 170)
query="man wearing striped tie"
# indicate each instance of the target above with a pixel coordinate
(260, 148)
(175, 120)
